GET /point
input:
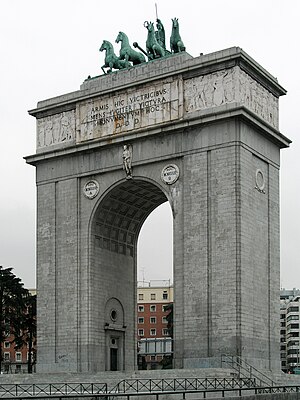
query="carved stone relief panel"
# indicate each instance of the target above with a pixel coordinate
(229, 86)
(56, 129)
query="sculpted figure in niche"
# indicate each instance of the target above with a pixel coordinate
(65, 133)
(49, 138)
(127, 160)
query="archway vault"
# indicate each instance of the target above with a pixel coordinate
(122, 212)
(115, 227)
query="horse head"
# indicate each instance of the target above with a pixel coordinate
(149, 26)
(120, 37)
(104, 45)
(175, 23)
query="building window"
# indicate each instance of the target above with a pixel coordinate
(293, 334)
(141, 309)
(18, 356)
(140, 320)
(141, 332)
(152, 320)
(164, 320)
(292, 317)
(6, 356)
(6, 345)
(165, 332)
(152, 332)
(292, 351)
(141, 296)
(165, 308)
(165, 295)
(293, 343)
(153, 296)
(293, 309)
(153, 358)
(153, 308)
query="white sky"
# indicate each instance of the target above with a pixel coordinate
(49, 47)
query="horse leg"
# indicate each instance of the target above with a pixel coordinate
(110, 65)
(103, 69)
(126, 59)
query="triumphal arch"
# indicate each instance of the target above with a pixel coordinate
(200, 133)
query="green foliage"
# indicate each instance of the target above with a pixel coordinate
(15, 301)
(167, 361)
(170, 318)
(25, 330)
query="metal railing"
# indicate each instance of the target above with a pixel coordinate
(51, 389)
(180, 384)
(245, 370)
(183, 394)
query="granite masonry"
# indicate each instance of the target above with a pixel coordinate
(201, 133)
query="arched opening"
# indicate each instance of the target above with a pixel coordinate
(113, 272)
(155, 246)
(155, 290)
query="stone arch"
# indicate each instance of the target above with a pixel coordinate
(114, 229)
(121, 212)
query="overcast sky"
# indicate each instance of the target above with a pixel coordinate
(49, 47)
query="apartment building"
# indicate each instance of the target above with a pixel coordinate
(15, 361)
(289, 329)
(154, 341)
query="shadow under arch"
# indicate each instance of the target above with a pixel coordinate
(115, 226)
(121, 213)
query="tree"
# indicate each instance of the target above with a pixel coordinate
(25, 330)
(169, 319)
(12, 306)
(167, 361)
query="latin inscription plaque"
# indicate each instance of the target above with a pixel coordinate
(130, 110)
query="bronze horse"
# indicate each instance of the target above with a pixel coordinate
(176, 44)
(111, 60)
(126, 52)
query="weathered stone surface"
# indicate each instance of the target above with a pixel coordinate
(215, 118)
(230, 86)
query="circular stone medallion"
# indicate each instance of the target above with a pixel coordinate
(260, 180)
(91, 189)
(170, 174)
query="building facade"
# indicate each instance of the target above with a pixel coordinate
(289, 329)
(15, 361)
(153, 306)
